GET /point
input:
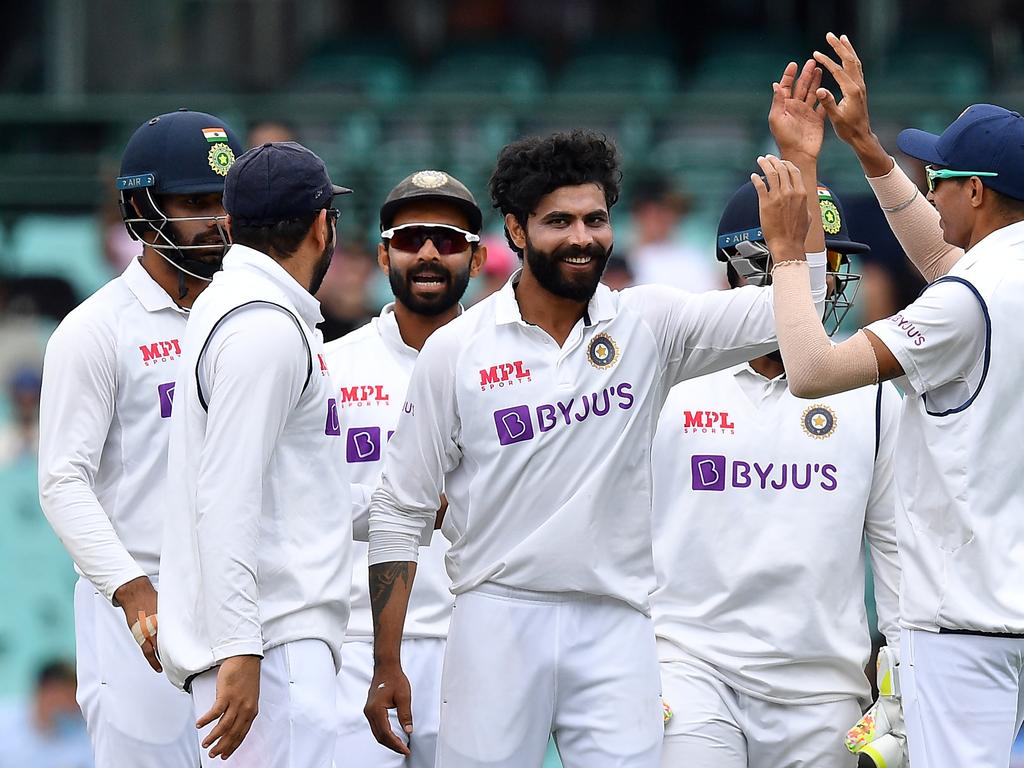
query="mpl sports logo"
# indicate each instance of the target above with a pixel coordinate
(363, 396)
(160, 351)
(713, 472)
(523, 422)
(708, 423)
(504, 375)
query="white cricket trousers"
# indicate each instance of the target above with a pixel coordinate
(963, 698)
(135, 716)
(520, 665)
(716, 726)
(422, 659)
(295, 727)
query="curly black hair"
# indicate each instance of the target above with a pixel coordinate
(530, 168)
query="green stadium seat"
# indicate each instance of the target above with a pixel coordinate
(363, 68)
(62, 246)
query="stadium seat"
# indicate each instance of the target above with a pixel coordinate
(60, 246)
(360, 68)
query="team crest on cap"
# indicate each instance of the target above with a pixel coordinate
(819, 421)
(830, 220)
(221, 159)
(602, 352)
(429, 179)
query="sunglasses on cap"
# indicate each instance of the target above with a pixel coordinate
(934, 174)
(446, 238)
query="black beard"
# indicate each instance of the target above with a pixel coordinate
(322, 265)
(401, 286)
(210, 257)
(547, 269)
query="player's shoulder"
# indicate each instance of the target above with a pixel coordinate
(100, 315)
(364, 336)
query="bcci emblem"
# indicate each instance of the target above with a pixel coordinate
(819, 421)
(429, 179)
(221, 159)
(602, 351)
(830, 220)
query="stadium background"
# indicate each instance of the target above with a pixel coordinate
(382, 89)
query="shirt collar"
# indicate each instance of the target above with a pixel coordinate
(746, 370)
(151, 296)
(387, 327)
(601, 306)
(241, 257)
(1000, 239)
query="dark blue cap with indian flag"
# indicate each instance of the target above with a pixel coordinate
(985, 138)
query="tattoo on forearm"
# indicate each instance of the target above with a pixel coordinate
(383, 578)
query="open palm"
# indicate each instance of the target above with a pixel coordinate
(796, 123)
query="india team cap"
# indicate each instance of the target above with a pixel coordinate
(984, 138)
(431, 185)
(276, 182)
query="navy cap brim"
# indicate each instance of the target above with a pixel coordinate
(336, 190)
(846, 246)
(920, 144)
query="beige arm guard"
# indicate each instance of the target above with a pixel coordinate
(815, 367)
(915, 222)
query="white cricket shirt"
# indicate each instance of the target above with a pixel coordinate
(258, 533)
(762, 502)
(546, 449)
(959, 464)
(108, 384)
(370, 368)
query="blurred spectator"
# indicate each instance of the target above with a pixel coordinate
(659, 254)
(118, 246)
(267, 131)
(48, 731)
(617, 275)
(345, 298)
(501, 262)
(19, 437)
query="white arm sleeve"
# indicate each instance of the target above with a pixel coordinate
(76, 408)
(701, 333)
(424, 448)
(253, 372)
(880, 520)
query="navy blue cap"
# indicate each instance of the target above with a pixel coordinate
(178, 153)
(278, 181)
(741, 220)
(984, 138)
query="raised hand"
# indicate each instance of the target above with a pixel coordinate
(797, 126)
(782, 201)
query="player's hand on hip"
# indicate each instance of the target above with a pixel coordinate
(137, 599)
(235, 706)
(389, 689)
(849, 116)
(782, 201)
(797, 126)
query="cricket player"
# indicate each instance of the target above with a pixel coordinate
(535, 410)
(761, 504)
(108, 386)
(957, 352)
(430, 249)
(256, 562)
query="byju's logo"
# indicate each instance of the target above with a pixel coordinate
(333, 426)
(166, 394)
(714, 473)
(362, 444)
(160, 351)
(708, 473)
(513, 424)
(504, 375)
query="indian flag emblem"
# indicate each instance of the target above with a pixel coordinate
(213, 135)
